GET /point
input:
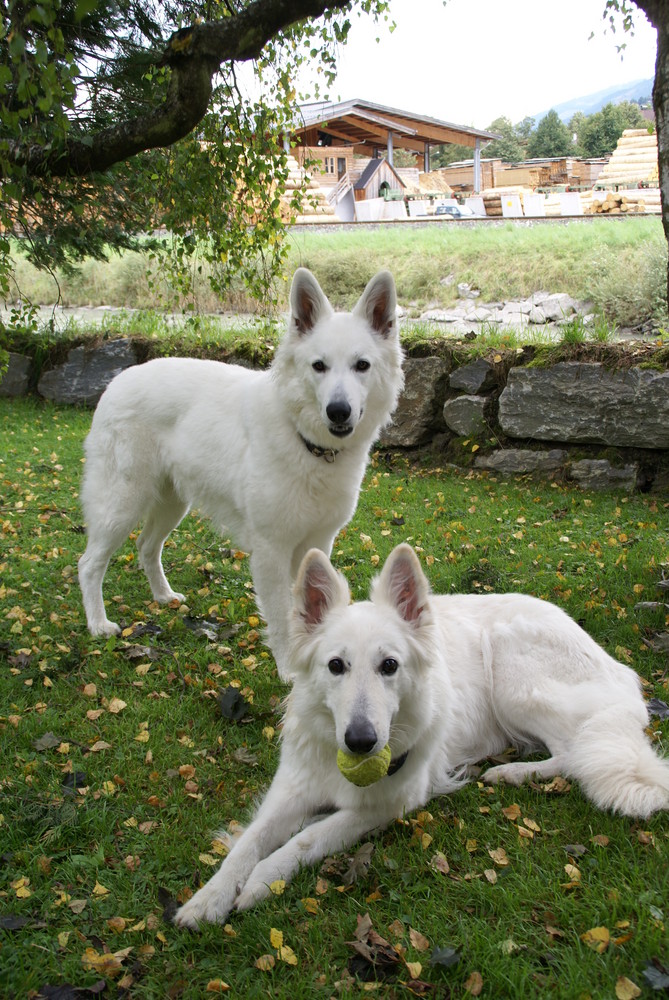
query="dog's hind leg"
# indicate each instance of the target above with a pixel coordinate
(104, 537)
(164, 515)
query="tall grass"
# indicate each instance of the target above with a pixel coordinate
(618, 265)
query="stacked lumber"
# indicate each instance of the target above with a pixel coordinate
(636, 201)
(314, 206)
(633, 161)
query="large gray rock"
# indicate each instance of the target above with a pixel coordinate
(87, 372)
(418, 412)
(15, 380)
(575, 402)
(512, 461)
(476, 377)
(464, 415)
(599, 474)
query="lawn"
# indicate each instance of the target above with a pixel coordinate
(120, 758)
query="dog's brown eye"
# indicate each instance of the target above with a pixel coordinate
(389, 666)
(362, 365)
(319, 366)
(336, 666)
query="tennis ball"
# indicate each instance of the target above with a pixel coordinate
(361, 769)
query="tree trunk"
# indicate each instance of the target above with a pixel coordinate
(657, 12)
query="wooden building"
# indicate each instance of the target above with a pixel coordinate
(332, 132)
(379, 179)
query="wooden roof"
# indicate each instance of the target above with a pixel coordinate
(369, 172)
(366, 125)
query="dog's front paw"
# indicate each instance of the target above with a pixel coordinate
(206, 907)
(252, 893)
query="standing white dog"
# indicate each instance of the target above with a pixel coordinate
(274, 457)
(445, 681)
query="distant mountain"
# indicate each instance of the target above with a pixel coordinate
(595, 102)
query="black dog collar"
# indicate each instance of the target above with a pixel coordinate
(397, 763)
(329, 454)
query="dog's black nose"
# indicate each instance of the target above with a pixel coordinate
(338, 411)
(360, 737)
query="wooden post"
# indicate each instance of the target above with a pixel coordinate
(477, 167)
(390, 148)
(426, 158)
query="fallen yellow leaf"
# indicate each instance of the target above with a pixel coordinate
(626, 989)
(275, 937)
(597, 938)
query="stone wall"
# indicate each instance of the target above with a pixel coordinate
(600, 419)
(599, 424)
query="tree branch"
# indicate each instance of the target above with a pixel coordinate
(193, 56)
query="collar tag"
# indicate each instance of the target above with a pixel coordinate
(329, 454)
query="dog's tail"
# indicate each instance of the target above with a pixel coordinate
(618, 769)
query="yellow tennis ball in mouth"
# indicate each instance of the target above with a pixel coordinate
(362, 769)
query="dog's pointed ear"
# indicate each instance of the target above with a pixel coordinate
(318, 588)
(378, 304)
(307, 302)
(403, 584)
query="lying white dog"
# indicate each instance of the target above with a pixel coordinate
(445, 681)
(274, 457)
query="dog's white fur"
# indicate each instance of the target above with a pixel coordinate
(473, 673)
(175, 433)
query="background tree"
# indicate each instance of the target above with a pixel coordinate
(119, 117)
(510, 147)
(550, 138)
(599, 133)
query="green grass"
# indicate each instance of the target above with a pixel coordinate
(117, 804)
(619, 266)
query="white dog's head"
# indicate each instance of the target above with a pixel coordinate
(340, 371)
(366, 662)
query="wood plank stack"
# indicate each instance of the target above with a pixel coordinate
(633, 161)
(315, 206)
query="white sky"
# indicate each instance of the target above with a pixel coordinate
(471, 61)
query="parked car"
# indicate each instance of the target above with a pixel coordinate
(457, 211)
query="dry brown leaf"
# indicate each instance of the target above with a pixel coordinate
(512, 812)
(418, 941)
(414, 969)
(439, 863)
(265, 963)
(499, 856)
(217, 986)
(474, 984)
(491, 875)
